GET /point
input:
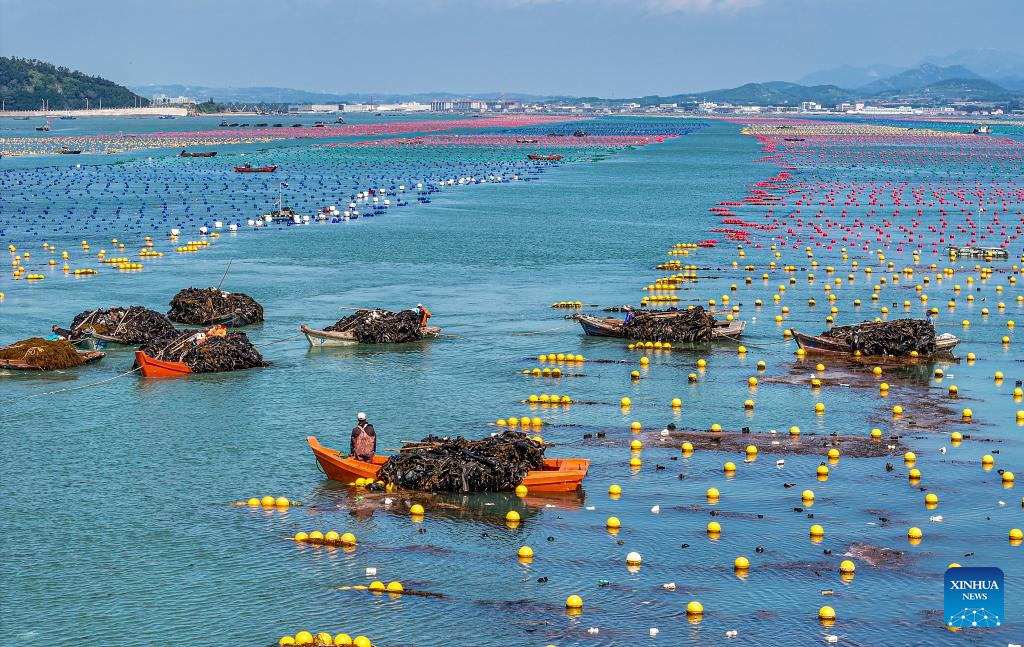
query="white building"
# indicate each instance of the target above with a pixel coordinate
(810, 106)
(165, 100)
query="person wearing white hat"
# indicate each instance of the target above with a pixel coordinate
(364, 439)
(424, 315)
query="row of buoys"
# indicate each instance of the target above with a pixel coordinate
(323, 639)
(329, 538)
(560, 357)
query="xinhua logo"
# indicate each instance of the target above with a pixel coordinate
(974, 596)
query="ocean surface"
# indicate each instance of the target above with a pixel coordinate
(119, 528)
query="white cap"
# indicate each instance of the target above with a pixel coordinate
(361, 416)
(419, 305)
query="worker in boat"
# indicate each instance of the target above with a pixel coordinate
(364, 439)
(629, 314)
(60, 333)
(424, 315)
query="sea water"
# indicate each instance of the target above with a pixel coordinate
(118, 527)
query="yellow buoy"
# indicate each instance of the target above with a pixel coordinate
(614, 489)
(694, 608)
(817, 531)
(512, 516)
(713, 493)
(613, 522)
(714, 527)
(827, 613)
(915, 533)
(847, 566)
(525, 552)
(741, 563)
(574, 602)
(416, 509)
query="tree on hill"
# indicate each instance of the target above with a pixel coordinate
(26, 83)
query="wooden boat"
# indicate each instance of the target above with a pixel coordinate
(558, 475)
(160, 368)
(817, 345)
(347, 337)
(248, 168)
(612, 327)
(69, 151)
(89, 356)
(544, 158)
(185, 153)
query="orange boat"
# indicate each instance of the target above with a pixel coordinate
(558, 475)
(158, 367)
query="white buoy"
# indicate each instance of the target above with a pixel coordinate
(204, 230)
(250, 222)
(175, 232)
(218, 224)
(233, 227)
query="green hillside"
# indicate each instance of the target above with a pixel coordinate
(26, 83)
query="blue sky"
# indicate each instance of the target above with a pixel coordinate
(610, 48)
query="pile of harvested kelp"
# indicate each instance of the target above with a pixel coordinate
(691, 325)
(898, 337)
(212, 354)
(494, 464)
(44, 354)
(205, 306)
(381, 326)
(133, 325)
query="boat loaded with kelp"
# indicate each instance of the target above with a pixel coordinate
(899, 338)
(670, 326)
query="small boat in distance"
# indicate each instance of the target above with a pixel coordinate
(185, 153)
(68, 117)
(249, 168)
(983, 129)
(45, 128)
(69, 151)
(545, 158)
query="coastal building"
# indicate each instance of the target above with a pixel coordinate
(166, 100)
(810, 106)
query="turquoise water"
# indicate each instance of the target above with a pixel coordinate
(118, 528)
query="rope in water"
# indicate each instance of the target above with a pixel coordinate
(541, 332)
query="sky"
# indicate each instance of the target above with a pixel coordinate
(607, 48)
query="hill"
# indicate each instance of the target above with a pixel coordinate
(26, 83)
(270, 94)
(917, 77)
(850, 76)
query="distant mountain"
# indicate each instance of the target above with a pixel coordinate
(778, 93)
(263, 94)
(991, 64)
(26, 83)
(918, 77)
(849, 76)
(966, 89)
(1014, 83)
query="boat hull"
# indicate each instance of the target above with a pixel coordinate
(612, 327)
(159, 368)
(817, 345)
(89, 356)
(558, 475)
(255, 169)
(347, 338)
